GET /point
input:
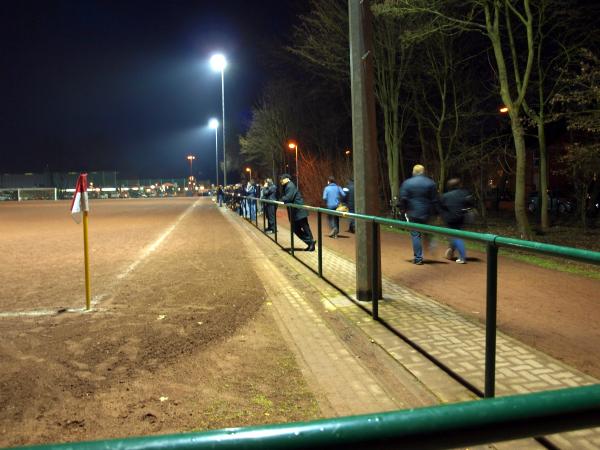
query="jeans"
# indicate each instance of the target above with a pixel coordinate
(417, 244)
(459, 244)
(417, 240)
(334, 222)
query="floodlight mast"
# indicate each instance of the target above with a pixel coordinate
(214, 124)
(218, 63)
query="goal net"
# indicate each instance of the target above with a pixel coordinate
(21, 194)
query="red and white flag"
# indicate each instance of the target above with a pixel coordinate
(80, 199)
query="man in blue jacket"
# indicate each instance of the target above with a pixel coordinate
(418, 200)
(333, 196)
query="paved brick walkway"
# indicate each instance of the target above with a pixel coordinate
(456, 341)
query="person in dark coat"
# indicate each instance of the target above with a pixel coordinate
(349, 191)
(454, 206)
(418, 200)
(298, 217)
(269, 192)
(220, 195)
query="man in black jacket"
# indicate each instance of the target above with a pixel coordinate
(298, 217)
(455, 204)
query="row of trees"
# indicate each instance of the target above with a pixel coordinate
(443, 69)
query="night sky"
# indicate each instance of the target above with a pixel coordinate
(125, 85)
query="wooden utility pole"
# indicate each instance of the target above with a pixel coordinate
(364, 141)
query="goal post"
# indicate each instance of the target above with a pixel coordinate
(22, 194)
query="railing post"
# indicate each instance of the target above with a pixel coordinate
(375, 274)
(490, 319)
(264, 214)
(291, 213)
(256, 212)
(275, 224)
(319, 244)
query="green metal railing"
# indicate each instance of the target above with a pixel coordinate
(492, 242)
(446, 426)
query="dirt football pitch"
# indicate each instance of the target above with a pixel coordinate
(177, 339)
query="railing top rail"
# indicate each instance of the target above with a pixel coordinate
(446, 426)
(587, 256)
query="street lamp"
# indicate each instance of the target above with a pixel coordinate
(348, 153)
(218, 64)
(248, 169)
(191, 159)
(214, 124)
(293, 146)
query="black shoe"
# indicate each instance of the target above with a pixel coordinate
(311, 246)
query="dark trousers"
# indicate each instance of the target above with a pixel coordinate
(302, 229)
(271, 210)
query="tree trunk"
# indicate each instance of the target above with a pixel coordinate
(520, 207)
(545, 222)
(390, 115)
(440, 149)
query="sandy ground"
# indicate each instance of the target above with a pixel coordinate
(554, 312)
(178, 338)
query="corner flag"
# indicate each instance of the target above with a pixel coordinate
(80, 199)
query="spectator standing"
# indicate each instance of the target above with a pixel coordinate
(250, 202)
(454, 206)
(239, 192)
(349, 195)
(298, 217)
(418, 200)
(333, 196)
(269, 192)
(220, 195)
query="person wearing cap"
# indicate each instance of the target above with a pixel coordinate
(298, 217)
(418, 200)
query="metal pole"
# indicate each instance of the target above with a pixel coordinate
(86, 261)
(490, 320)
(297, 173)
(275, 222)
(217, 155)
(223, 108)
(375, 270)
(291, 231)
(364, 138)
(320, 243)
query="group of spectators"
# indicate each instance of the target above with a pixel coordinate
(418, 202)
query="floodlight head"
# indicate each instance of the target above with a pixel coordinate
(218, 62)
(213, 123)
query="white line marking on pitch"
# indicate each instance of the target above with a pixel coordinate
(97, 298)
(149, 249)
